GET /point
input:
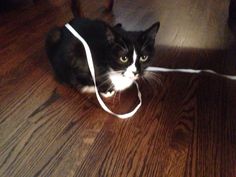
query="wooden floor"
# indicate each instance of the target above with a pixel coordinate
(185, 128)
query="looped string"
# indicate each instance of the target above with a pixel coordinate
(92, 71)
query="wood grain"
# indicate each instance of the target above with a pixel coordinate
(185, 128)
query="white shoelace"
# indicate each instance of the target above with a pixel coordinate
(193, 71)
(153, 69)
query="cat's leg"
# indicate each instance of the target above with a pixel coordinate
(108, 94)
(106, 89)
(87, 89)
(91, 89)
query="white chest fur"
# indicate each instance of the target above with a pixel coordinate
(120, 82)
(123, 81)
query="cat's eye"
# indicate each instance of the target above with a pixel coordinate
(124, 59)
(143, 58)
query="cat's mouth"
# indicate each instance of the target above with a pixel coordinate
(131, 75)
(120, 81)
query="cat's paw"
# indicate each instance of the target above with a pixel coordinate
(108, 94)
(87, 89)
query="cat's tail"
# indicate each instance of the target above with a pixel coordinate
(76, 8)
(52, 41)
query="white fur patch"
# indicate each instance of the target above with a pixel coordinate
(132, 68)
(88, 89)
(123, 81)
(108, 94)
(120, 82)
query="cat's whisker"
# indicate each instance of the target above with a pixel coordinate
(155, 77)
(104, 82)
(114, 97)
(150, 84)
(145, 80)
(102, 75)
(119, 97)
(153, 73)
(157, 83)
(115, 72)
(151, 78)
(142, 79)
(109, 88)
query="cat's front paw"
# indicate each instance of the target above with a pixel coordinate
(87, 89)
(108, 94)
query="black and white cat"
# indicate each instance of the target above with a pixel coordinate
(119, 56)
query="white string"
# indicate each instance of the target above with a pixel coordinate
(160, 69)
(151, 69)
(92, 71)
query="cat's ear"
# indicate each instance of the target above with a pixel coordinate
(151, 32)
(149, 35)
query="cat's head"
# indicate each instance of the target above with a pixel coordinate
(131, 53)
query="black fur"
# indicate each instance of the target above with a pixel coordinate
(107, 44)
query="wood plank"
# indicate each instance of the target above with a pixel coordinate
(185, 127)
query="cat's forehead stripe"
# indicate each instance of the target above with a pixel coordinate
(134, 56)
(132, 68)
